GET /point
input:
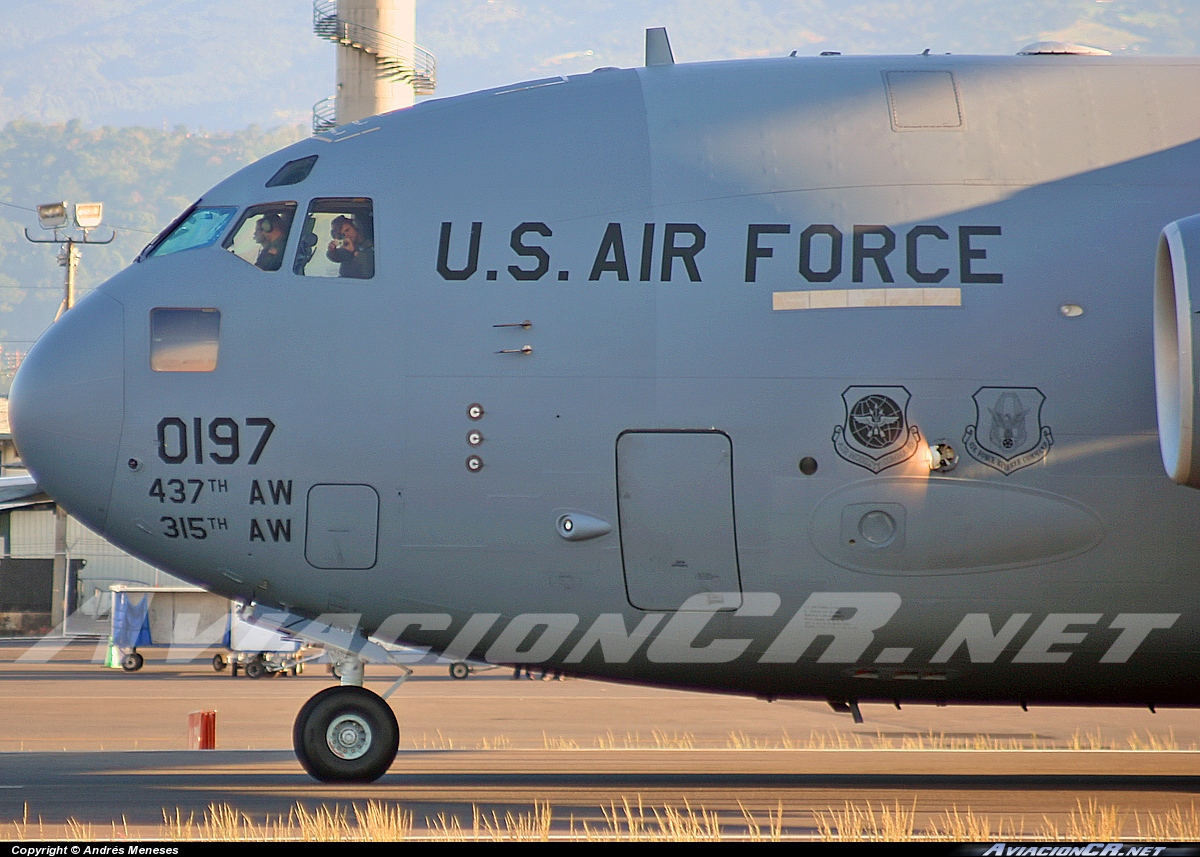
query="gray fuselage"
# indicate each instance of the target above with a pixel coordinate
(721, 271)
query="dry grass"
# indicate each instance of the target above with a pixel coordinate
(966, 826)
(860, 823)
(498, 742)
(833, 739)
(1093, 822)
(940, 741)
(375, 822)
(631, 820)
(1096, 823)
(440, 742)
(1172, 826)
(533, 826)
(658, 740)
(838, 740)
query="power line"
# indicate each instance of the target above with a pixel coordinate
(38, 288)
(132, 229)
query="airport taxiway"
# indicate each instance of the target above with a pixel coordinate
(79, 741)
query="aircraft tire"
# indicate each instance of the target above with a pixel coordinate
(459, 670)
(346, 734)
(132, 662)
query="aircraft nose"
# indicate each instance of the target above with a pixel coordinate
(66, 407)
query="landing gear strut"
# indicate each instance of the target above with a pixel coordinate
(344, 734)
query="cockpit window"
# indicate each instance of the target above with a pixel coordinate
(338, 240)
(202, 228)
(261, 235)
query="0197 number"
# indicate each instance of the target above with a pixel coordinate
(219, 440)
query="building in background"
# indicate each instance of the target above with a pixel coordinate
(379, 65)
(27, 594)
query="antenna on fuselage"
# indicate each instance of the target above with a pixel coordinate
(658, 47)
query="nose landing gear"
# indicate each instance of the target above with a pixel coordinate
(346, 734)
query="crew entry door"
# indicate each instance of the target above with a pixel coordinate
(675, 506)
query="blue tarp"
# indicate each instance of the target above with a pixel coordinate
(130, 621)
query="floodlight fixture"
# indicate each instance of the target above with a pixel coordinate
(52, 215)
(88, 214)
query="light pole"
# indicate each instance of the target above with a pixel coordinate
(53, 215)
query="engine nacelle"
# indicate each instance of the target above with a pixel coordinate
(1177, 347)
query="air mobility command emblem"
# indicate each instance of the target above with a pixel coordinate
(1008, 433)
(876, 434)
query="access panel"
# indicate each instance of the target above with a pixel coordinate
(343, 526)
(675, 505)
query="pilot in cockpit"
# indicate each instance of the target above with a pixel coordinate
(269, 234)
(351, 248)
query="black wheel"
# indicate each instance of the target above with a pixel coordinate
(132, 662)
(346, 735)
(219, 662)
(255, 669)
(459, 670)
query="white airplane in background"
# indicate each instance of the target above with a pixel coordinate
(828, 378)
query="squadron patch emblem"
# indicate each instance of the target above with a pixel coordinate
(876, 434)
(1008, 433)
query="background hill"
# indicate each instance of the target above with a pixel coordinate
(143, 104)
(144, 176)
(225, 64)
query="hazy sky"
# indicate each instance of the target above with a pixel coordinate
(223, 64)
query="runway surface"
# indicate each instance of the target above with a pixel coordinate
(135, 787)
(84, 743)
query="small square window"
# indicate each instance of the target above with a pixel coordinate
(184, 340)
